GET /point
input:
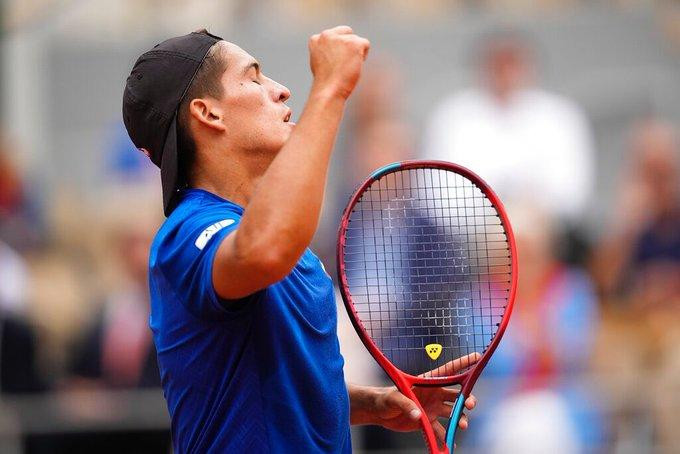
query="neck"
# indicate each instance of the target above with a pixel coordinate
(232, 176)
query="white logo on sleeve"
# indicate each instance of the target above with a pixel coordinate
(208, 233)
(324, 270)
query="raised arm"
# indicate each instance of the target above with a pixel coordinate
(283, 212)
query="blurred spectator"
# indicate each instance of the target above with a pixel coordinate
(379, 132)
(378, 135)
(125, 164)
(637, 265)
(545, 426)
(19, 372)
(117, 351)
(639, 258)
(547, 345)
(18, 343)
(519, 138)
(19, 220)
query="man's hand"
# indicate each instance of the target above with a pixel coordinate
(391, 409)
(336, 57)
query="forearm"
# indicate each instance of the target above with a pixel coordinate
(285, 206)
(362, 403)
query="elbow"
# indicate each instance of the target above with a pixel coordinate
(269, 263)
(275, 263)
(270, 255)
(245, 265)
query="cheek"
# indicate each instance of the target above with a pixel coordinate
(243, 111)
(257, 108)
(248, 99)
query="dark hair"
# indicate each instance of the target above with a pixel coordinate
(206, 82)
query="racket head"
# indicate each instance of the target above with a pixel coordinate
(409, 204)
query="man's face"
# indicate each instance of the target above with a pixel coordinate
(256, 117)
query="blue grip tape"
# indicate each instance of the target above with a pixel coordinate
(453, 422)
(384, 169)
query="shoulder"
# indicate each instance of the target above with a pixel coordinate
(198, 217)
(554, 103)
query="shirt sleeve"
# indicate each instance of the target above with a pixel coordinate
(186, 262)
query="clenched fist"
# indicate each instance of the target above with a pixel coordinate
(336, 56)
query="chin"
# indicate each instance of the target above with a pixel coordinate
(275, 138)
(287, 133)
(275, 147)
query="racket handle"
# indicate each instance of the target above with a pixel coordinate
(456, 413)
(427, 430)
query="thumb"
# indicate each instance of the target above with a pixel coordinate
(406, 405)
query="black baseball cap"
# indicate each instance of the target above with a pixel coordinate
(153, 92)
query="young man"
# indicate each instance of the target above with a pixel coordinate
(243, 313)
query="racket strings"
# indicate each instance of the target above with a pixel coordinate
(428, 266)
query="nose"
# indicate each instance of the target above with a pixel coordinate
(279, 92)
(284, 93)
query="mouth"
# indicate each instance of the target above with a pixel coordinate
(286, 119)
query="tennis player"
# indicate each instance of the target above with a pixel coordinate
(242, 312)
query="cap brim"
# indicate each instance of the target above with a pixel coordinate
(170, 178)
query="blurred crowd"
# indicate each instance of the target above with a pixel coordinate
(590, 361)
(596, 316)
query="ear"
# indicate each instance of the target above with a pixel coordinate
(208, 113)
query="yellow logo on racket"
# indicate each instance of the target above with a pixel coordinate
(433, 350)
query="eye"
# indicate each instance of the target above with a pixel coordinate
(257, 82)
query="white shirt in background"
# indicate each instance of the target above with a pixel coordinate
(537, 147)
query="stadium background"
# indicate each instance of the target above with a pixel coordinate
(78, 207)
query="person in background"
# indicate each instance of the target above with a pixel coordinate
(19, 371)
(376, 133)
(639, 259)
(546, 347)
(521, 139)
(380, 132)
(637, 268)
(117, 351)
(20, 222)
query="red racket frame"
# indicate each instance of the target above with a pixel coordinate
(402, 380)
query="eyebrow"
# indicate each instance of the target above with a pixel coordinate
(252, 64)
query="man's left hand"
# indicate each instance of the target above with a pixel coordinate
(395, 411)
(391, 409)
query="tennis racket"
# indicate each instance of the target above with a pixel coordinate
(428, 270)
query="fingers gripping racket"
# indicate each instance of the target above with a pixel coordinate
(428, 271)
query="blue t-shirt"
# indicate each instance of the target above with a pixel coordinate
(261, 374)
